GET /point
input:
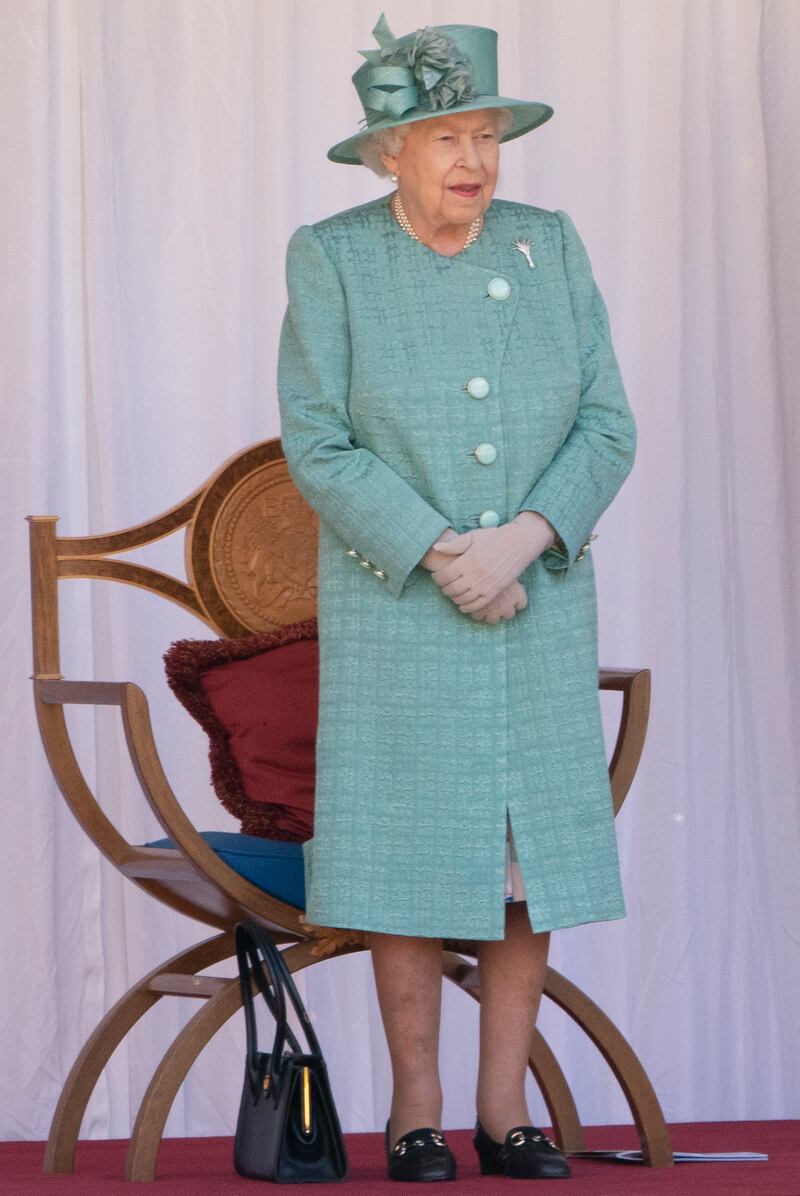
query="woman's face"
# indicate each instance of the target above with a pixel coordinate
(447, 168)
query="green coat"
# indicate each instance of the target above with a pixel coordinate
(432, 726)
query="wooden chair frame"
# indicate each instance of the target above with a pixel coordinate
(190, 877)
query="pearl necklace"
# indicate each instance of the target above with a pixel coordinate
(405, 224)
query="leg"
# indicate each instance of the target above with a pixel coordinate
(511, 975)
(85, 1072)
(408, 976)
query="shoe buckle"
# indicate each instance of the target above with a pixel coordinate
(519, 1138)
(402, 1146)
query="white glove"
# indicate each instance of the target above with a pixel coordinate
(504, 606)
(434, 559)
(486, 560)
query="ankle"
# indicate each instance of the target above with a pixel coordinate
(414, 1111)
(497, 1118)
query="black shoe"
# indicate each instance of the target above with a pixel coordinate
(525, 1154)
(420, 1156)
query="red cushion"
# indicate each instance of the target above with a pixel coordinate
(257, 700)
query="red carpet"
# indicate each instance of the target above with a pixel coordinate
(202, 1167)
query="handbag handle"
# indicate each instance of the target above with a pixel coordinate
(283, 983)
(274, 981)
(280, 969)
(251, 968)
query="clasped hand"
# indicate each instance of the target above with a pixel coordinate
(486, 562)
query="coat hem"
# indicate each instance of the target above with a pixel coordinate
(543, 926)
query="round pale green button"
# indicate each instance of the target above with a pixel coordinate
(499, 288)
(477, 388)
(486, 453)
(488, 519)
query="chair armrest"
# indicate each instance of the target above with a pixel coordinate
(617, 678)
(181, 876)
(635, 687)
(52, 694)
(58, 692)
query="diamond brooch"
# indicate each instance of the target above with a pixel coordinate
(525, 246)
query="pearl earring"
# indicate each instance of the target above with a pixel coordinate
(394, 178)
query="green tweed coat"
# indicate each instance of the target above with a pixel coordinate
(395, 364)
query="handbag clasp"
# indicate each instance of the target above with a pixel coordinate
(306, 1101)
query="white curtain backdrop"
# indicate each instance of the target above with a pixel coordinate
(155, 157)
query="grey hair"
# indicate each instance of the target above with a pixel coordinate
(390, 141)
(382, 141)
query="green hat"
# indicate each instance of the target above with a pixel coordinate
(444, 68)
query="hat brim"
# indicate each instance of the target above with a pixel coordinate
(526, 115)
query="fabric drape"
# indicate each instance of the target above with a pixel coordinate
(156, 156)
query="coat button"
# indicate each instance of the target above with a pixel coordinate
(499, 288)
(488, 519)
(477, 388)
(486, 453)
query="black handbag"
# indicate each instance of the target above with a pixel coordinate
(288, 1129)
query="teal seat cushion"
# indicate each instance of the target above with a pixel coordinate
(271, 864)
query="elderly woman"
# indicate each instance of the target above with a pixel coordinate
(452, 408)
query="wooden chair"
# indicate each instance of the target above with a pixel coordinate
(250, 547)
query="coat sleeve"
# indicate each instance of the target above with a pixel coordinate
(597, 455)
(375, 512)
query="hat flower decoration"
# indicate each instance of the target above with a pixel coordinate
(423, 74)
(431, 72)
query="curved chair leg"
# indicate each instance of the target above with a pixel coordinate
(550, 1078)
(101, 1044)
(172, 1070)
(620, 1057)
(557, 1094)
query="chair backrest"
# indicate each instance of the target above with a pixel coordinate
(251, 545)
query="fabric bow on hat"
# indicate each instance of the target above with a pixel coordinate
(430, 72)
